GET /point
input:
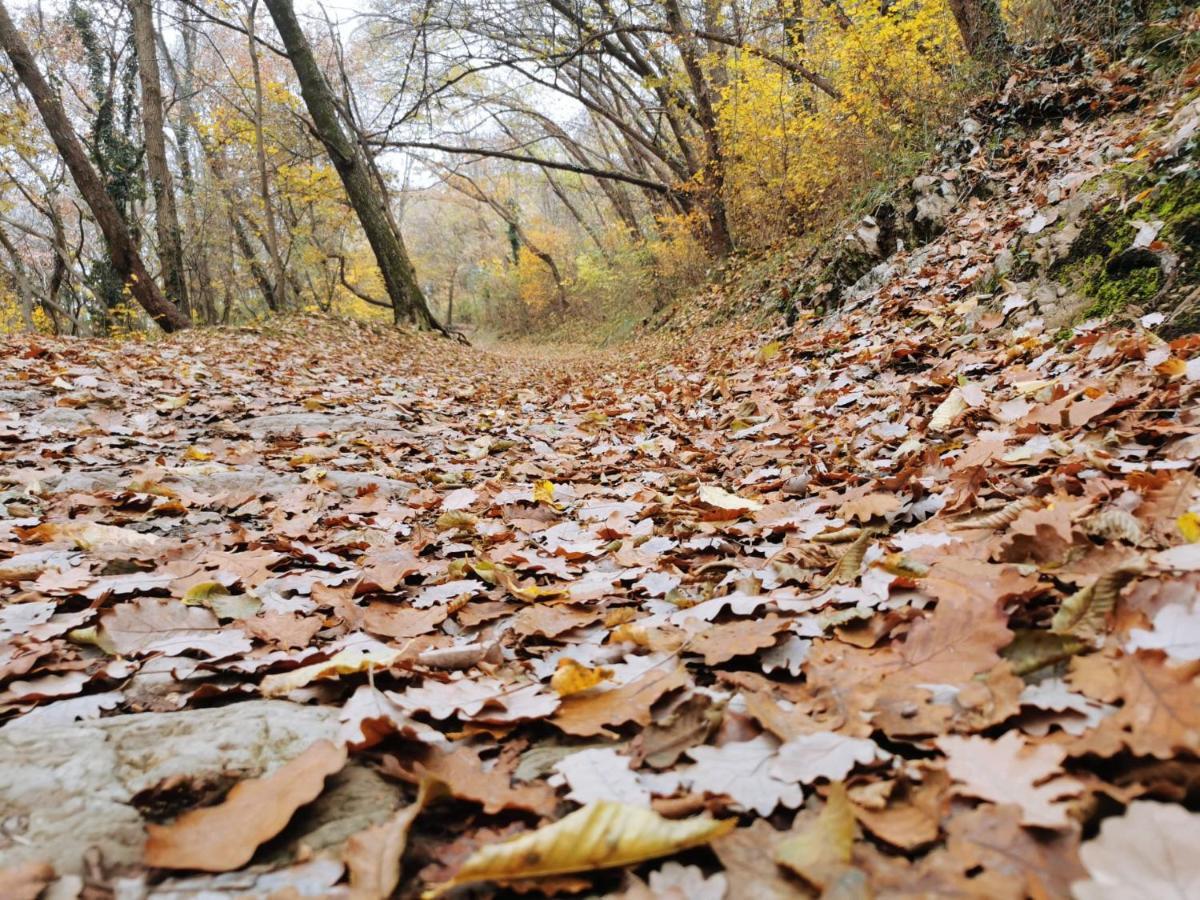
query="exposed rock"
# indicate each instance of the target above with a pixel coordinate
(69, 789)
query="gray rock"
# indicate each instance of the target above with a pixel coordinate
(314, 423)
(65, 790)
(247, 479)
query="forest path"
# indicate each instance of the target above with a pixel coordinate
(861, 537)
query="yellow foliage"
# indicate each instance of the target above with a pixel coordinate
(793, 152)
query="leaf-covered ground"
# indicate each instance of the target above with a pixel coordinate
(904, 604)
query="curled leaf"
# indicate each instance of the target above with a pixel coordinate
(1085, 613)
(849, 567)
(601, 835)
(819, 853)
(347, 662)
(373, 855)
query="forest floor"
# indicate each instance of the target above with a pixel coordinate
(901, 603)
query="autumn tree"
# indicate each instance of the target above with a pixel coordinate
(348, 157)
(122, 249)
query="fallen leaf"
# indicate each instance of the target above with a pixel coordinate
(719, 498)
(587, 715)
(572, 678)
(601, 773)
(741, 770)
(1008, 770)
(820, 852)
(224, 837)
(147, 625)
(346, 662)
(1150, 851)
(372, 856)
(601, 835)
(721, 643)
(823, 754)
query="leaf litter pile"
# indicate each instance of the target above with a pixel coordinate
(904, 604)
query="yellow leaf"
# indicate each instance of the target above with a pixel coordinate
(347, 662)
(197, 455)
(951, 408)
(572, 678)
(768, 352)
(216, 597)
(313, 404)
(820, 852)
(457, 520)
(602, 835)
(711, 495)
(1189, 527)
(1172, 367)
(543, 492)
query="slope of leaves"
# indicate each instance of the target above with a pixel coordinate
(946, 566)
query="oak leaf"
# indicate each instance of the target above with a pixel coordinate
(823, 754)
(1008, 770)
(741, 770)
(1150, 851)
(721, 643)
(587, 715)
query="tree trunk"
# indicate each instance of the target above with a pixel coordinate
(126, 260)
(25, 292)
(982, 29)
(390, 254)
(170, 238)
(271, 239)
(720, 241)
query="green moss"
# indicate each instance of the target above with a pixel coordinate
(1110, 294)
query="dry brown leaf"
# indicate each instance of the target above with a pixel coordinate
(991, 837)
(146, 625)
(400, 622)
(1159, 712)
(373, 855)
(869, 506)
(1008, 770)
(224, 837)
(1150, 851)
(25, 881)
(721, 643)
(912, 814)
(465, 777)
(821, 852)
(587, 715)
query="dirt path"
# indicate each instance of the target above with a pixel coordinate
(717, 577)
